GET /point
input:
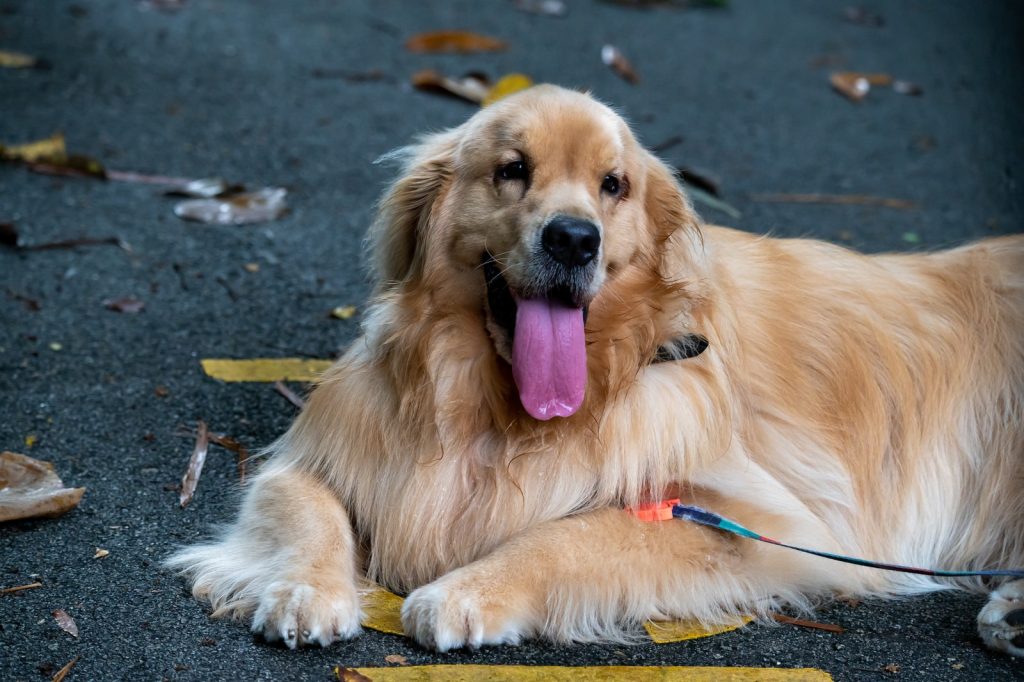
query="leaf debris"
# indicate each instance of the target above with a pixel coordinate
(101, 553)
(289, 394)
(126, 304)
(19, 588)
(235, 209)
(63, 672)
(462, 42)
(349, 675)
(344, 312)
(20, 60)
(614, 59)
(195, 464)
(30, 487)
(811, 624)
(66, 622)
(396, 659)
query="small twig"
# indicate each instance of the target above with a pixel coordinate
(19, 588)
(814, 625)
(289, 394)
(195, 464)
(858, 199)
(241, 453)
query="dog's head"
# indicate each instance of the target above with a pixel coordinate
(526, 213)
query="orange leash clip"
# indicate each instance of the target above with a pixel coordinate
(654, 511)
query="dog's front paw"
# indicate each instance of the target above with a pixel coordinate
(451, 614)
(297, 614)
(1001, 621)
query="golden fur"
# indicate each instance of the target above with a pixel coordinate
(869, 405)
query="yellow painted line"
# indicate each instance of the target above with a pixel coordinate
(538, 673)
(666, 632)
(265, 369)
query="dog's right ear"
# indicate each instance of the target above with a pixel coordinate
(404, 211)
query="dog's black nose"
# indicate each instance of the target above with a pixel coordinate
(571, 241)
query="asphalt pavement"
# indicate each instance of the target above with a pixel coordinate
(307, 95)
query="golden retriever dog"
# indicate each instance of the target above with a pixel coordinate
(555, 337)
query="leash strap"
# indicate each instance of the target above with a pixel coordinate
(712, 520)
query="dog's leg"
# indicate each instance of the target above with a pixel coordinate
(583, 578)
(1001, 621)
(288, 562)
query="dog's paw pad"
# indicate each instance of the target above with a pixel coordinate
(1001, 621)
(443, 618)
(297, 614)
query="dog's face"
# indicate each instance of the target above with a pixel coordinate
(532, 206)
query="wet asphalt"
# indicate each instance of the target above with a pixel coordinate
(256, 92)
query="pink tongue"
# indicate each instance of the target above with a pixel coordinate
(549, 358)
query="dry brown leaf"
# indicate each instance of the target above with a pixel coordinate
(100, 553)
(397, 659)
(66, 622)
(125, 304)
(472, 87)
(856, 86)
(811, 624)
(454, 41)
(161, 391)
(63, 672)
(613, 58)
(237, 209)
(241, 452)
(891, 668)
(195, 464)
(19, 588)
(289, 394)
(30, 488)
(349, 675)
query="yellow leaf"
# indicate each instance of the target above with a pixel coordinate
(382, 611)
(507, 85)
(665, 632)
(266, 370)
(16, 60)
(545, 673)
(31, 439)
(51, 149)
(344, 312)
(454, 41)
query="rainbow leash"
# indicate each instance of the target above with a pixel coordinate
(706, 518)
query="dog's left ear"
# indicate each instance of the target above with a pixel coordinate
(404, 211)
(667, 207)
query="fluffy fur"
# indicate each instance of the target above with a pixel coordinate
(870, 405)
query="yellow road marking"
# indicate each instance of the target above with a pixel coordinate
(265, 369)
(538, 673)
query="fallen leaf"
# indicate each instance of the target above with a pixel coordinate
(100, 553)
(161, 391)
(19, 60)
(56, 346)
(472, 87)
(845, 199)
(891, 668)
(265, 369)
(613, 58)
(125, 304)
(19, 588)
(252, 267)
(241, 452)
(289, 395)
(344, 312)
(396, 659)
(195, 464)
(382, 611)
(856, 86)
(863, 17)
(66, 622)
(453, 41)
(901, 87)
(349, 675)
(956, 666)
(507, 85)
(548, 8)
(207, 641)
(238, 209)
(204, 188)
(667, 632)
(50, 149)
(30, 488)
(814, 625)
(30, 440)
(63, 672)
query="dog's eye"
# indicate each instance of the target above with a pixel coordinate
(611, 185)
(513, 171)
